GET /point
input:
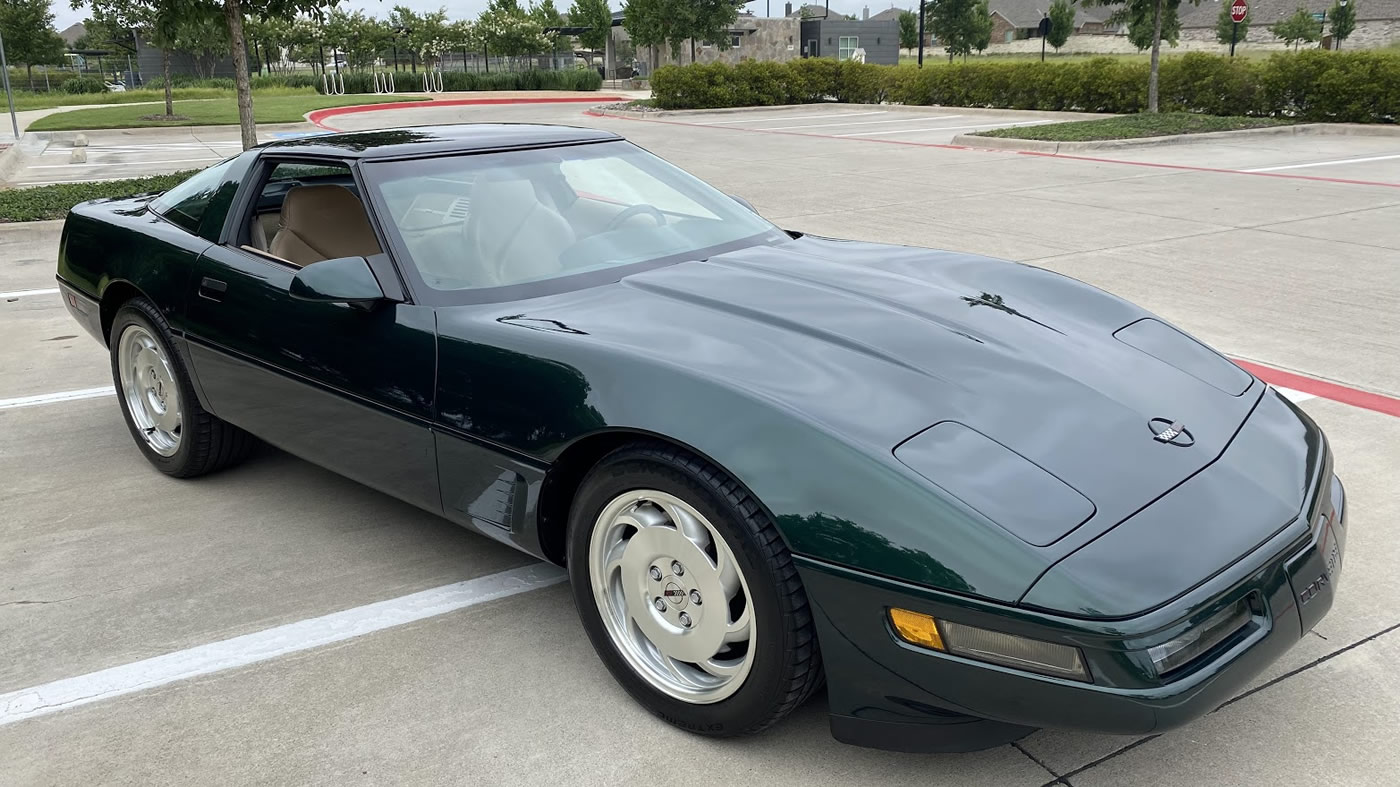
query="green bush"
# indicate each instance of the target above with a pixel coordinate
(84, 85)
(1313, 85)
(53, 202)
(265, 81)
(409, 82)
(186, 80)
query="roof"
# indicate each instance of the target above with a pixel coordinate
(72, 33)
(889, 14)
(436, 140)
(810, 10)
(1266, 12)
(1028, 13)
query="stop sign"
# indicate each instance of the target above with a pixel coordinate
(1239, 9)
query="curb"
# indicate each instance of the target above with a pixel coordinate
(315, 117)
(1301, 129)
(171, 131)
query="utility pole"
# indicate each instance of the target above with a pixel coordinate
(921, 33)
(9, 95)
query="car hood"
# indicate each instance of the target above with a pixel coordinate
(876, 344)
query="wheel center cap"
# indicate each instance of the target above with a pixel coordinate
(675, 595)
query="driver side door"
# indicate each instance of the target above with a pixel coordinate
(349, 387)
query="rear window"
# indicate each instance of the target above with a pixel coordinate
(185, 204)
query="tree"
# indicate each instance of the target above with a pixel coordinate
(1061, 23)
(1225, 29)
(956, 24)
(548, 16)
(203, 37)
(356, 35)
(1149, 23)
(1343, 22)
(1300, 27)
(982, 27)
(908, 29)
(597, 17)
(160, 21)
(29, 35)
(657, 23)
(233, 12)
(506, 29)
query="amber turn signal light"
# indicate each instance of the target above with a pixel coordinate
(916, 628)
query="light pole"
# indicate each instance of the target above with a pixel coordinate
(9, 96)
(921, 33)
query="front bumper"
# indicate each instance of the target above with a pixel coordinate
(887, 694)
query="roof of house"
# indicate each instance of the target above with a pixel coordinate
(72, 33)
(1028, 13)
(1267, 12)
(811, 9)
(889, 14)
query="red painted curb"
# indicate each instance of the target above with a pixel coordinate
(316, 116)
(946, 146)
(1366, 400)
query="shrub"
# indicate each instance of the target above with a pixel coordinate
(79, 85)
(409, 82)
(265, 81)
(187, 80)
(1314, 85)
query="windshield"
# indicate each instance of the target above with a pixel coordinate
(489, 220)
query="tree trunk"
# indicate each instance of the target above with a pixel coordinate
(233, 11)
(1156, 56)
(30, 69)
(165, 72)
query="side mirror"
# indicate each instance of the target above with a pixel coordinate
(342, 280)
(743, 202)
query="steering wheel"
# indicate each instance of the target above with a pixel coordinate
(636, 210)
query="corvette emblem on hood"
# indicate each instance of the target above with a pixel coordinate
(1170, 432)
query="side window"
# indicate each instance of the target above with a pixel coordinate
(184, 205)
(306, 212)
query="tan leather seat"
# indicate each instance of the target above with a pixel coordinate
(513, 237)
(323, 223)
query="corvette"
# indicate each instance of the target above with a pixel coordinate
(972, 497)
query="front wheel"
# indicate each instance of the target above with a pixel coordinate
(688, 594)
(158, 402)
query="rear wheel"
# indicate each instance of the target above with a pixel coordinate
(158, 402)
(688, 594)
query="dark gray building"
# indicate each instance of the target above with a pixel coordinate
(208, 64)
(840, 38)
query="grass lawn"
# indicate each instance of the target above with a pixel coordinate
(267, 108)
(1132, 127)
(52, 202)
(25, 100)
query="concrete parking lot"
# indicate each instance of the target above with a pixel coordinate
(1283, 252)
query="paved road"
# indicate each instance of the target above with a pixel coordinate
(107, 563)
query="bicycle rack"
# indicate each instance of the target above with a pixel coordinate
(333, 84)
(384, 82)
(432, 82)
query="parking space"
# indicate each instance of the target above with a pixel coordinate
(115, 577)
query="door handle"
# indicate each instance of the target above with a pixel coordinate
(212, 289)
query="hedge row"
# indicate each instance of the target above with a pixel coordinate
(257, 81)
(1315, 85)
(409, 82)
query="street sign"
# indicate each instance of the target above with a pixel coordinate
(1239, 9)
(1320, 16)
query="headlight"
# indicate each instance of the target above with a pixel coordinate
(1008, 650)
(1195, 641)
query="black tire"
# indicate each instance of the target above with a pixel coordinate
(206, 443)
(787, 664)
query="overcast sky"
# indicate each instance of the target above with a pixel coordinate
(65, 16)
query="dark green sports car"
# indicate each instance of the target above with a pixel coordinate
(972, 497)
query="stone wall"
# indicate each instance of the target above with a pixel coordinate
(759, 39)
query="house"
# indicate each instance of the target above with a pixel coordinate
(1017, 19)
(840, 38)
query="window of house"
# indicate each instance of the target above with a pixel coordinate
(846, 47)
(735, 38)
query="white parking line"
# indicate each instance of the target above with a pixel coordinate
(1323, 163)
(270, 643)
(27, 293)
(61, 396)
(1294, 396)
(794, 117)
(861, 123)
(944, 128)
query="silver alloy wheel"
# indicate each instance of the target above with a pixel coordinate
(672, 597)
(149, 388)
